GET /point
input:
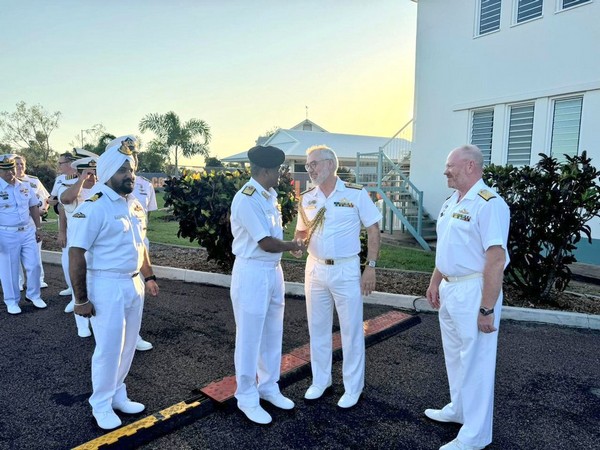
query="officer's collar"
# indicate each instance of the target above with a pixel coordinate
(472, 193)
(261, 189)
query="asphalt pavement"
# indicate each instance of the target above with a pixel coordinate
(547, 388)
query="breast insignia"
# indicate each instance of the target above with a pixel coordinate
(486, 195)
(79, 215)
(353, 186)
(249, 190)
(94, 197)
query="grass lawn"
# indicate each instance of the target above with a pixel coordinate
(161, 231)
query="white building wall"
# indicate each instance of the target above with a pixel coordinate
(535, 61)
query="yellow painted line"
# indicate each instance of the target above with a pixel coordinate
(131, 429)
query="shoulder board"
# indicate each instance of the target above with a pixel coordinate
(486, 195)
(308, 190)
(94, 197)
(33, 176)
(249, 190)
(353, 185)
(78, 215)
(71, 177)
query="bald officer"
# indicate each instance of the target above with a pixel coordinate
(466, 286)
(19, 235)
(257, 289)
(110, 228)
(331, 216)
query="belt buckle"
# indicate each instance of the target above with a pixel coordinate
(329, 262)
(21, 228)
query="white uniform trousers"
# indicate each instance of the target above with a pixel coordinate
(257, 296)
(470, 357)
(22, 275)
(82, 323)
(118, 302)
(17, 246)
(339, 285)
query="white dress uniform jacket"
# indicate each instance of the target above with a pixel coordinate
(257, 293)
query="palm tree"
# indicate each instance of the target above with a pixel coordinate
(175, 136)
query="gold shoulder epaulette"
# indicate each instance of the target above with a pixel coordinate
(94, 197)
(308, 190)
(249, 190)
(71, 177)
(353, 185)
(486, 195)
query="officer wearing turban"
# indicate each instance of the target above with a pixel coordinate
(110, 227)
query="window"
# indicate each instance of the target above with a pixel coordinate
(520, 135)
(565, 127)
(482, 129)
(489, 16)
(528, 9)
(569, 3)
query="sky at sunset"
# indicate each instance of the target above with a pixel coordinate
(244, 67)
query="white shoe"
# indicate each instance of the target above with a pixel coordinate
(439, 416)
(43, 285)
(38, 302)
(279, 400)
(84, 332)
(142, 345)
(107, 420)
(315, 392)
(129, 407)
(66, 292)
(348, 400)
(257, 415)
(457, 445)
(13, 309)
(70, 306)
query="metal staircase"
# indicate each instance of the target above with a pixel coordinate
(385, 173)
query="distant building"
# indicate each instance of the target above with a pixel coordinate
(517, 78)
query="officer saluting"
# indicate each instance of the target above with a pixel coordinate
(257, 289)
(19, 235)
(110, 228)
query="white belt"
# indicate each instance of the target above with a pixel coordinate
(109, 274)
(463, 278)
(19, 228)
(332, 262)
(258, 262)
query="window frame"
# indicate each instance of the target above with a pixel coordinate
(487, 159)
(509, 112)
(478, 31)
(515, 18)
(560, 5)
(551, 123)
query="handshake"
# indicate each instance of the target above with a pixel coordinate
(299, 247)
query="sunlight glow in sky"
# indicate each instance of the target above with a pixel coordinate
(243, 66)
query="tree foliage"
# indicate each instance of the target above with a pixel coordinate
(201, 203)
(28, 129)
(550, 205)
(191, 138)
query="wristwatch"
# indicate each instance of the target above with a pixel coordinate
(371, 263)
(485, 311)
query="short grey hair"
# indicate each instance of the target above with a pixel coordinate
(472, 153)
(325, 152)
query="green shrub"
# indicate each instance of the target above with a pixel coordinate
(201, 204)
(550, 205)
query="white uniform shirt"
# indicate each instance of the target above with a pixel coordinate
(15, 201)
(111, 229)
(40, 191)
(144, 192)
(255, 214)
(347, 207)
(57, 182)
(466, 229)
(69, 209)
